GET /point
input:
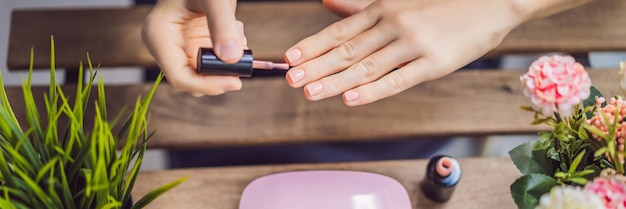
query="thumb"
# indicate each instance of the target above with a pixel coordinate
(224, 29)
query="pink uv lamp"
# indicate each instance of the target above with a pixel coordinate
(328, 189)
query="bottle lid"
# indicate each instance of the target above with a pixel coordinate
(208, 63)
(443, 172)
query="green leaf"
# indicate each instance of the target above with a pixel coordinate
(560, 175)
(112, 205)
(591, 100)
(545, 140)
(540, 121)
(8, 116)
(37, 190)
(582, 133)
(528, 160)
(145, 200)
(595, 130)
(527, 189)
(527, 108)
(583, 173)
(578, 180)
(46, 169)
(574, 165)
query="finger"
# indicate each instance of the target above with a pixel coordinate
(167, 48)
(346, 8)
(180, 75)
(188, 80)
(365, 71)
(330, 37)
(413, 73)
(224, 29)
(197, 35)
(340, 58)
(192, 47)
(198, 27)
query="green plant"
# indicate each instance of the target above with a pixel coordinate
(47, 166)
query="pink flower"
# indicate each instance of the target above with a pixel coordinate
(610, 190)
(609, 111)
(556, 84)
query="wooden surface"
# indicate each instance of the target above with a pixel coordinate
(112, 35)
(484, 183)
(597, 26)
(267, 111)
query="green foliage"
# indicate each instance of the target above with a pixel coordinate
(528, 161)
(566, 155)
(591, 100)
(527, 190)
(64, 166)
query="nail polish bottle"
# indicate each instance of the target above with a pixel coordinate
(442, 174)
(209, 63)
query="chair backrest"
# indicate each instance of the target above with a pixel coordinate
(267, 111)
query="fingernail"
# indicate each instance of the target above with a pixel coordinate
(314, 89)
(232, 87)
(227, 50)
(295, 75)
(197, 94)
(293, 55)
(350, 96)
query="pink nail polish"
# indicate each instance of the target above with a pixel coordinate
(293, 55)
(295, 75)
(232, 88)
(314, 89)
(350, 96)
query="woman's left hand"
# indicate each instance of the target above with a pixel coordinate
(424, 39)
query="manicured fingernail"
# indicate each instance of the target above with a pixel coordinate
(295, 75)
(197, 94)
(293, 55)
(232, 88)
(350, 96)
(227, 50)
(314, 89)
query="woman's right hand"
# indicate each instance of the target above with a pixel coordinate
(175, 29)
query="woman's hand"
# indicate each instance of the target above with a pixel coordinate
(424, 40)
(175, 29)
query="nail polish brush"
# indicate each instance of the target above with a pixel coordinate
(208, 63)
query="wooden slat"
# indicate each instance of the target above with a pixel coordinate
(598, 26)
(267, 111)
(112, 35)
(484, 183)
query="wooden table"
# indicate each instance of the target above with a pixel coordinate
(484, 183)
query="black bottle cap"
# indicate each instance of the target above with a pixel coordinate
(208, 63)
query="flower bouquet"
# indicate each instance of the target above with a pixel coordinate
(580, 162)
